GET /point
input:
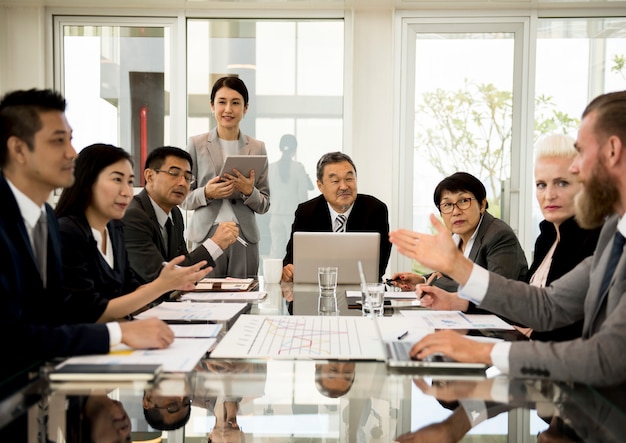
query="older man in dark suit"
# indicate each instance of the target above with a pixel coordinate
(153, 223)
(593, 291)
(340, 208)
(36, 157)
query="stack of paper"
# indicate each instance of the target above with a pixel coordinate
(224, 296)
(185, 312)
(181, 356)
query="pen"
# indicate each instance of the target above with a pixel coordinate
(404, 334)
(432, 278)
(165, 263)
(429, 282)
(242, 241)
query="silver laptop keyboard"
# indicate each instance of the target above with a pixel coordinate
(401, 349)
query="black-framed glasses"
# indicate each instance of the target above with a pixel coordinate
(463, 203)
(177, 172)
(175, 406)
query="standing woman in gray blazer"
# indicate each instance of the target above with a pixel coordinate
(230, 197)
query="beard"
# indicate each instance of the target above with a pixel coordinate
(597, 199)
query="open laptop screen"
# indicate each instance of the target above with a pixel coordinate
(341, 249)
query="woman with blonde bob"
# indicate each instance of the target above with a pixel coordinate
(562, 243)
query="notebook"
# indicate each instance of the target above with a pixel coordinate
(314, 249)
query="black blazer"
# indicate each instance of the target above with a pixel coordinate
(575, 245)
(145, 245)
(29, 314)
(368, 215)
(89, 280)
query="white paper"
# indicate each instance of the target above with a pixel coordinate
(389, 295)
(185, 311)
(302, 336)
(181, 356)
(455, 320)
(224, 296)
(196, 330)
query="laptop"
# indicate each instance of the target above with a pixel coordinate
(342, 249)
(398, 357)
(398, 335)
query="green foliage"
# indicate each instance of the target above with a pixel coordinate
(619, 65)
(470, 129)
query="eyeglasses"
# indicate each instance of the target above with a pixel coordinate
(177, 172)
(464, 203)
(174, 407)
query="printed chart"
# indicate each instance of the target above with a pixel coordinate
(310, 337)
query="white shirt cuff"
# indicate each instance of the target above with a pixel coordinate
(500, 356)
(476, 286)
(115, 333)
(214, 250)
(500, 389)
(475, 410)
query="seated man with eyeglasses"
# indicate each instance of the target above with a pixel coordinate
(167, 406)
(153, 223)
(487, 241)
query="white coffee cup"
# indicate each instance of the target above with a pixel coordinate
(272, 270)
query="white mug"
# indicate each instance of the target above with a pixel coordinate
(272, 270)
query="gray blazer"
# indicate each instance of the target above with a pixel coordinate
(495, 248)
(206, 154)
(598, 357)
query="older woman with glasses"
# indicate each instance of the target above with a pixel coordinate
(97, 274)
(489, 242)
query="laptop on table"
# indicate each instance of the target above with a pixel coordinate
(342, 249)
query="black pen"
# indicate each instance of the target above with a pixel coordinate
(404, 334)
(431, 279)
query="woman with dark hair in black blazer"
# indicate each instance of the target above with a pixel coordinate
(98, 276)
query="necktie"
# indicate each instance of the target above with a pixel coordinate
(616, 253)
(40, 243)
(340, 222)
(168, 229)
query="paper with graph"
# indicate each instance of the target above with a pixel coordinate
(309, 337)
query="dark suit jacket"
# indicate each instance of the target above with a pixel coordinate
(497, 249)
(89, 280)
(592, 359)
(368, 215)
(28, 312)
(575, 244)
(145, 245)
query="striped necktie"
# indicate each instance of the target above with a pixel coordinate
(340, 223)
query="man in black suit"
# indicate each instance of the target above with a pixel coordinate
(168, 178)
(36, 157)
(337, 181)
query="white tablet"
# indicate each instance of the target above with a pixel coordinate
(244, 163)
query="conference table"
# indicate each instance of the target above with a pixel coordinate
(311, 400)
